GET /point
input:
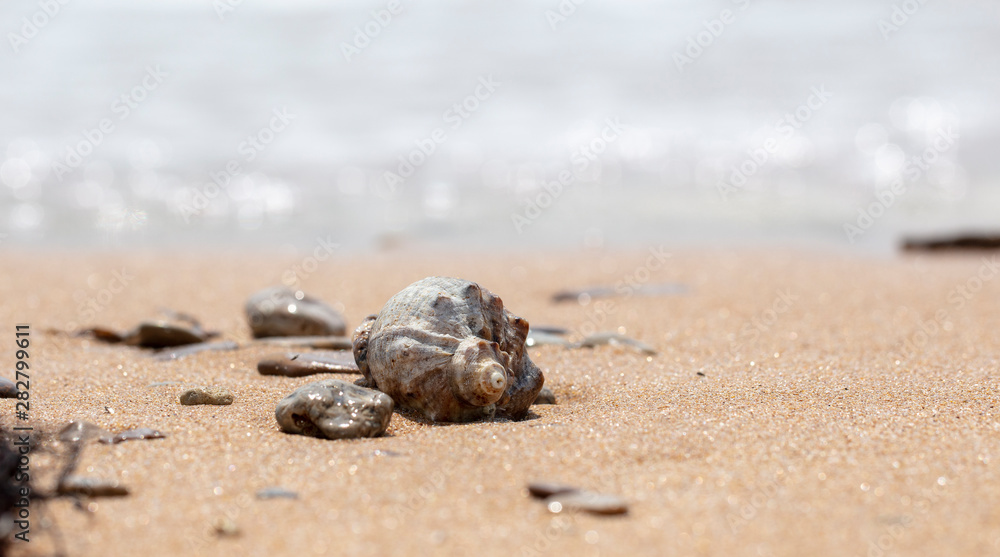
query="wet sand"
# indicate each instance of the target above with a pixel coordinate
(800, 404)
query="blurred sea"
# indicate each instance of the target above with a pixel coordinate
(492, 101)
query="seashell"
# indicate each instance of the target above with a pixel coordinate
(280, 312)
(335, 410)
(448, 349)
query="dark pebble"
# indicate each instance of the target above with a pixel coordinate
(308, 363)
(91, 487)
(8, 389)
(542, 490)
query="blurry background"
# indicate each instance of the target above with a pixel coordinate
(509, 94)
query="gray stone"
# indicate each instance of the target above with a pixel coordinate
(219, 396)
(162, 334)
(307, 363)
(334, 409)
(545, 396)
(279, 312)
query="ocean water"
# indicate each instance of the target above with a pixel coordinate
(509, 124)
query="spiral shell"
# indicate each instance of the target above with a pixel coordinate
(448, 349)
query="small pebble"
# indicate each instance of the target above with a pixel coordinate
(281, 312)
(545, 396)
(178, 353)
(302, 364)
(225, 527)
(8, 389)
(595, 503)
(138, 434)
(162, 334)
(163, 383)
(276, 493)
(334, 409)
(599, 339)
(219, 396)
(79, 430)
(542, 490)
(91, 487)
(319, 343)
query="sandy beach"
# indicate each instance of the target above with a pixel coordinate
(800, 404)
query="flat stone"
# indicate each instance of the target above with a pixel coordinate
(545, 396)
(8, 389)
(595, 503)
(182, 352)
(280, 311)
(276, 493)
(542, 490)
(334, 409)
(79, 430)
(162, 334)
(599, 339)
(308, 363)
(137, 434)
(91, 487)
(320, 343)
(219, 396)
